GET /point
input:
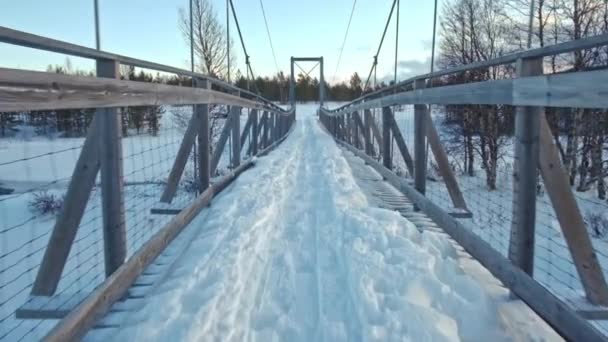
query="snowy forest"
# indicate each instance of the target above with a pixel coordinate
(480, 30)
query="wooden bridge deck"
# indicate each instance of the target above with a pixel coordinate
(380, 194)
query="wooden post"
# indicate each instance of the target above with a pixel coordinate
(367, 118)
(265, 119)
(74, 205)
(112, 194)
(570, 218)
(359, 130)
(527, 123)
(420, 142)
(355, 124)
(344, 131)
(203, 141)
(235, 112)
(350, 129)
(254, 132)
(386, 138)
(273, 127)
(376, 134)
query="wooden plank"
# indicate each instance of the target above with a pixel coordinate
(50, 307)
(79, 321)
(527, 123)
(444, 165)
(235, 112)
(405, 153)
(587, 310)
(584, 89)
(112, 176)
(570, 218)
(221, 144)
(387, 158)
(22, 90)
(163, 208)
(74, 204)
(181, 159)
(558, 314)
(550, 50)
(25, 39)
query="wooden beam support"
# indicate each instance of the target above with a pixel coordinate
(254, 132)
(181, 159)
(235, 112)
(570, 218)
(405, 153)
(221, 144)
(112, 192)
(376, 134)
(74, 204)
(359, 129)
(367, 118)
(386, 138)
(527, 126)
(444, 165)
(204, 167)
(50, 307)
(420, 133)
(245, 133)
(264, 123)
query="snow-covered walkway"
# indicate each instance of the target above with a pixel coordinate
(292, 251)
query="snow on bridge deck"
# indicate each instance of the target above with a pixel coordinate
(308, 246)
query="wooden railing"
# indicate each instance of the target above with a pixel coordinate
(21, 90)
(535, 151)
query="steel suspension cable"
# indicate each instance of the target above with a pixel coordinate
(274, 56)
(388, 20)
(426, 153)
(350, 18)
(247, 62)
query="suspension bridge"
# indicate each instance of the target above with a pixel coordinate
(249, 220)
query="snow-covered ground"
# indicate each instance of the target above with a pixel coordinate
(293, 251)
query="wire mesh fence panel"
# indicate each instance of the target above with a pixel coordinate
(404, 118)
(578, 135)
(480, 153)
(149, 153)
(39, 151)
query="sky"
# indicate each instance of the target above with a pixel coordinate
(149, 30)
